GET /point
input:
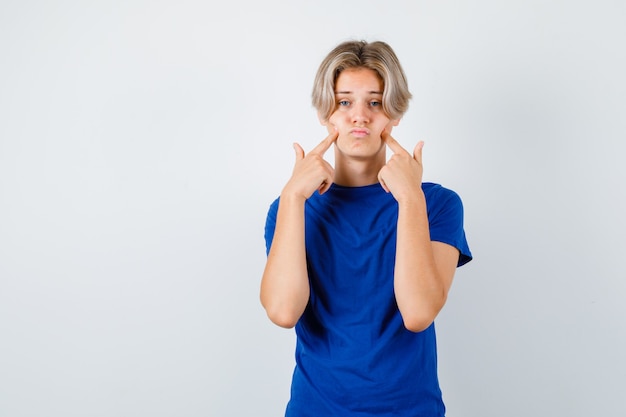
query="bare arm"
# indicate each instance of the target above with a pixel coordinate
(285, 282)
(424, 269)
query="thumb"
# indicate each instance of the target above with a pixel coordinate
(299, 151)
(417, 152)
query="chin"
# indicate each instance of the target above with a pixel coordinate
(360, 148)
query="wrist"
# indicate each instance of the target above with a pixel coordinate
(292, 197)
(414, 198)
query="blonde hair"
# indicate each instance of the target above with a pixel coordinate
(377, 56)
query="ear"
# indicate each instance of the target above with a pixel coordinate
(392, 124)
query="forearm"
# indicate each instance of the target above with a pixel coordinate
(419, 289)
(285, 282)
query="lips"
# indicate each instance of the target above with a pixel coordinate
(359, 132)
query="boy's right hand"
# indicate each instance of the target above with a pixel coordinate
(311, 172)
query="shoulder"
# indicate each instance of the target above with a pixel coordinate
(438, 196)
(437, 190)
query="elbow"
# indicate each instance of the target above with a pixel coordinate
(417, 325)
(420, 319)
(284, 320)
(284, 309)
(281, 316)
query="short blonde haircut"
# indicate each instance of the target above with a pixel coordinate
(377, 56)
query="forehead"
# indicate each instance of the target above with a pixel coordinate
(353, 80)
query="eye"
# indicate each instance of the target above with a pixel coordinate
(343, 103)
(375, 103)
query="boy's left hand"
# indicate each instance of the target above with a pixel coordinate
(402, 175)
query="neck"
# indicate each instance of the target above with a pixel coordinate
(352, 172)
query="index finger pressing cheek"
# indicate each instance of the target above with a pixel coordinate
(392, 143)
(323, 146)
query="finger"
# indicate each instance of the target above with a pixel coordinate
(299, 151)
(392, 143)
(417, 152)
(323, 146)
(325, 185)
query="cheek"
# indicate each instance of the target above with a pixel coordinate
(332, 122)
(333, 119)
(381, 128)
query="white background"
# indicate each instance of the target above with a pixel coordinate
(141, 143)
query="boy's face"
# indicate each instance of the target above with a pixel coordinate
(358, 114)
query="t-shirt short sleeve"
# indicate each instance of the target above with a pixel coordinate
(445, 219)
(270, 225)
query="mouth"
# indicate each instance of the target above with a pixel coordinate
(359, 132)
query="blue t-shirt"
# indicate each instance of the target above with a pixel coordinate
(354, 357)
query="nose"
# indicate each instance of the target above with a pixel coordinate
(360, 113)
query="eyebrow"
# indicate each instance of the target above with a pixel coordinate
(350, 92)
